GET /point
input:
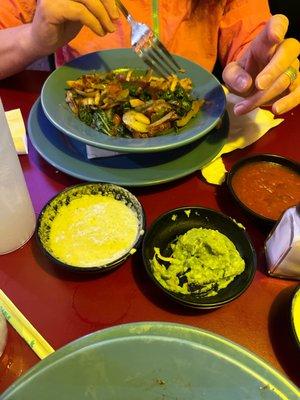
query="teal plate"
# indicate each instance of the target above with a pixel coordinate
(152, 361)
(69, 155)
(206, 86)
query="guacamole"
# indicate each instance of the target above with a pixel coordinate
(202, 261)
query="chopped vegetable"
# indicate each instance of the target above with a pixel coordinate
(128, 103)
(136, 121)
(194, 110)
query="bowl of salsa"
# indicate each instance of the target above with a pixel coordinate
(265, 185)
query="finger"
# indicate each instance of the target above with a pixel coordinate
(276, 29)
(285, 54)
(296, 82)
(111, 8)
(263, 97)
(100, 12)
(273, 32)
(77, 12)
(264, 45)
(290, 101)
(236, 78)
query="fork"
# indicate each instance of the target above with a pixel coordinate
(147, 46)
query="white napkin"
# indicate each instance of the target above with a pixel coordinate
(18, 130)
(243, 131)
(95, 152)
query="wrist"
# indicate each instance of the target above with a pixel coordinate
(31, 45)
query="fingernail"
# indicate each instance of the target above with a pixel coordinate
(115, 13)
(279, 109)
(279, 32)
(239, 108)
(264, 81)
(242, 82)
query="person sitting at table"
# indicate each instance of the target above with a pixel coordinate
(260, 64)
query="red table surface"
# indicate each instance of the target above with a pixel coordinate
(64, 307)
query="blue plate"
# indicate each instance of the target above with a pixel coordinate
(69, 155)
(152, 360)
(57, 111)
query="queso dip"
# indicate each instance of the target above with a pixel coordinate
(92, 230)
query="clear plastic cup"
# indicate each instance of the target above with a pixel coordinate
(16, 211)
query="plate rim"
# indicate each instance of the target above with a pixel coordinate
(174, 330)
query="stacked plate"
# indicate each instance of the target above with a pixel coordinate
(152, 360)
(62, 139)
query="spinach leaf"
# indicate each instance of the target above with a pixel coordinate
(102, 122)
(85, 115)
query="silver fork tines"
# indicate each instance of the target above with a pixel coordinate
(148, 46)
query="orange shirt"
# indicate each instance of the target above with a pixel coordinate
(198, 30)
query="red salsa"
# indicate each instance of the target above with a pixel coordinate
(267, 188)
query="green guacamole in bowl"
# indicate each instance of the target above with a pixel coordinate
(199, 257)
(202, 260)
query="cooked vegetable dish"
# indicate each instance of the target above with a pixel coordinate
(202, 261)
(131, 103)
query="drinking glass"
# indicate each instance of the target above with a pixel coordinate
(17, 217)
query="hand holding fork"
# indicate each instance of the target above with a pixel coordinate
(147, 46)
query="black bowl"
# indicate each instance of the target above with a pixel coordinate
(295, 311)
(178, 221)
(271, 158)
(50, 210)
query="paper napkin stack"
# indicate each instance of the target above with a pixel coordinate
(282, 247)
(18, 130)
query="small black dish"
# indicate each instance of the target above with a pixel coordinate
(295, 315)
(270, 158)
(50, 210)
(176, 222)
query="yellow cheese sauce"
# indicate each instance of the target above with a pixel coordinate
(93, 231)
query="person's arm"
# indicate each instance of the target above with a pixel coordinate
(55, 23)
(17, 50)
